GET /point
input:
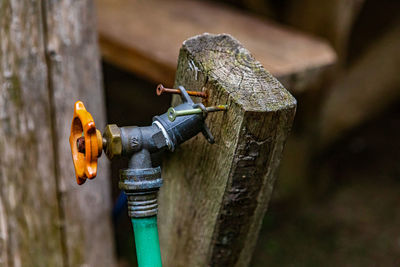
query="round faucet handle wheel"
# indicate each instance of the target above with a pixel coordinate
(85, 161)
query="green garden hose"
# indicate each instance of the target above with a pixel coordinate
(147, 243)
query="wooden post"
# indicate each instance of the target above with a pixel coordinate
(29, 211)
(215, 196)
(74, 69)
(48, 60)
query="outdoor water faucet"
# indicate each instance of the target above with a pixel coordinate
(141, 180)
(137, 144)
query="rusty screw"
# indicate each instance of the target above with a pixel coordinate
(161, 89)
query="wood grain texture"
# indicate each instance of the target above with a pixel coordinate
(30, 232)
(74, 67)
(49, 59)
(145, 36)
(215, 196)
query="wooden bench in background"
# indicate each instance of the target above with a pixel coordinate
(144, 37)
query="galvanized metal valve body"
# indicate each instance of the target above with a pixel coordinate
(141, 180)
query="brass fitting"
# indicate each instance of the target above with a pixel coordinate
(112, 138)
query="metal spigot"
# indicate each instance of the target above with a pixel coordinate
(141, 180)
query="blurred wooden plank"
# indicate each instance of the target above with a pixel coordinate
(215, 196)
(30, 226)
(371, 84)
(144, 37)
(332, 20)
(74, 74)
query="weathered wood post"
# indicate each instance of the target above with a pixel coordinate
(215, 196)
(49, 59)
(73, 63)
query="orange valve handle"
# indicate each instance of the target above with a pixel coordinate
(83, 125)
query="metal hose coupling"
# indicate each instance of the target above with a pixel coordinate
(141, 187)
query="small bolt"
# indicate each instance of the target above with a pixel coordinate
(172, 113)
(161, 89)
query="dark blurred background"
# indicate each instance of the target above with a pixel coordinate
(336, 201)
